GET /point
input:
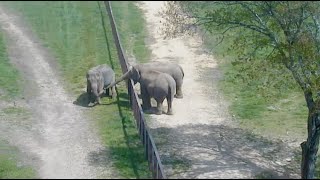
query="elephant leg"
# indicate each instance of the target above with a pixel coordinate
(169, 100)
(159, 107)
(145, 99)
(99, 100)
(148, 102)
(88, 88)
(179, 94)
(113, 92)
(108, 92)
(89, 92)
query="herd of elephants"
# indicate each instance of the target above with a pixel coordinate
(157, 80)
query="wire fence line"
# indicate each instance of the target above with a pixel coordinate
(150, 148)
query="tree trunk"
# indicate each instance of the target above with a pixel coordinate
(310, 147)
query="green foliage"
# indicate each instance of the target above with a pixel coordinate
(79, 35)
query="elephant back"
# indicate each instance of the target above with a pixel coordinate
(171, 81)
(172, 69)
(164, 84)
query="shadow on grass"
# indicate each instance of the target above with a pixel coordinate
(84, 101)
(131, 152)
(119, 158)
(128, 158)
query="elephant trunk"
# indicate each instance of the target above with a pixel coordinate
(94, 88)
(123, 77)
(95, 92)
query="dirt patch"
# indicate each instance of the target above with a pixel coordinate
(201, 140)
(59, 137)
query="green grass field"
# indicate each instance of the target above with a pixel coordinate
(264, 109)
(79, 36)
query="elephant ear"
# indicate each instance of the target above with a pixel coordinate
(135, 74)
(130, 68)
(100, 81)
(132, 63)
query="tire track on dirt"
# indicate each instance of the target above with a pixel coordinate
(61, 137)
(200, 140)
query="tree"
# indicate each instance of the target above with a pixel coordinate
(289, 31)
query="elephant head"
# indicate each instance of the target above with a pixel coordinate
(95, 84)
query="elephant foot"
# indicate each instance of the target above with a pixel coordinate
(158, 112)
(170, 112)
(146, 107)
(148, 111)
(180, 96)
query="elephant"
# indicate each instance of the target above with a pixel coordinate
(173, 69)
(153, 84)
(97, 79)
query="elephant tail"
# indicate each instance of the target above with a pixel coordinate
(172, 87)
(182, 71)
(172, 92)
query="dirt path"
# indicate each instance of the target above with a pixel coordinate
(61, 141)
(200, 140)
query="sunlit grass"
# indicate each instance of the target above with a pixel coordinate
(9, 76)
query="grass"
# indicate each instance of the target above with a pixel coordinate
(9, 77)
(284, 111)
(120, 134)
(9, 161)
(10, 89)
(134, 44)
(14, 110)
(79, 36)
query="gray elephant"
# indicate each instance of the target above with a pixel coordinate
(173, 69)
(97, 79)
(154, 84)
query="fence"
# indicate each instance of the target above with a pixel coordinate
(151, 152)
